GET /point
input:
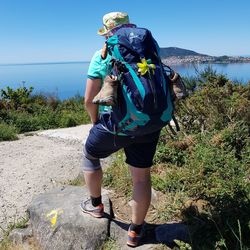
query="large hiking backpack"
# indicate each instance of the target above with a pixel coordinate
(144, 98)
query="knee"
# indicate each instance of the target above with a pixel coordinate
(140, 175)
(90, 163)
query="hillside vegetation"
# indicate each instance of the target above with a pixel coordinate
(203, 171)
(22, 111)
(174, 51)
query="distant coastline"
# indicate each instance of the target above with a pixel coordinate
(169, 55)
(174, 55)
(205, 59)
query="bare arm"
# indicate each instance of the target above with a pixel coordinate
(93, 86)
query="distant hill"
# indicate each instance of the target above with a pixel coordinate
(174, 51)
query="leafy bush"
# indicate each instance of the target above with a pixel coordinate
(212, 172)
(7, 133)
(209, 161)
(174, 151)
(69, 119)
(16, 98)
(216, 103)
(29, 112)
(23, 121)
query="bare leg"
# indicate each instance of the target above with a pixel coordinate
(141, 193)
(93, 180)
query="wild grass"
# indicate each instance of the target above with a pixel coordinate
(118, 177)
(109, 244)
(78, 181)
(30, 245)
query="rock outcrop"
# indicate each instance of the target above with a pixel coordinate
(57, 223)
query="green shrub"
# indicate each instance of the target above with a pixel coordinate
(23, 121)
(214, 172)
(235, 138)
(8, 132)
(72, 112)
(28, 112)
(47, 120)
(16, 98)
(216, 103)
(68, 119)
(209, 161)
(167, 154)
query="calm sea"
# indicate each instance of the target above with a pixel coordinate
(68, 79)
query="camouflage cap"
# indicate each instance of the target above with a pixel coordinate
(113, 20)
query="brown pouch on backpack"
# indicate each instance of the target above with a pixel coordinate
(107, 96)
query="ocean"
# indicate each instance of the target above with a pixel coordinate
(66, 80)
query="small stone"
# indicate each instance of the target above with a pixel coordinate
(130, 203)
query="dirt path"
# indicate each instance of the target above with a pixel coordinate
(34, 164)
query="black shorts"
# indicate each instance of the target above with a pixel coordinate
(101, 143)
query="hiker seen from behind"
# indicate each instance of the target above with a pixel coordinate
(129, 101)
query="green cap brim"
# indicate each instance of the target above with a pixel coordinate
(102, 31)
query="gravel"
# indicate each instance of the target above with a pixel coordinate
(34, 164)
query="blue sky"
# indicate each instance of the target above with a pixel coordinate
(65, 30)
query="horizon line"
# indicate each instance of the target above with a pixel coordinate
(85, 61)
(42, 63)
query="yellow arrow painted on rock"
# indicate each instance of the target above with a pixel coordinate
(53, 214)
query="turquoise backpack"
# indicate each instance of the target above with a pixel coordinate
(144, 99)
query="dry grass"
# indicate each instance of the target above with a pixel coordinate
(30, 244)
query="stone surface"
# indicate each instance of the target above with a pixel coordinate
(58, 222)
(19, 235)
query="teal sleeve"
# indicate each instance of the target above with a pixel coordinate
(98, 68)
